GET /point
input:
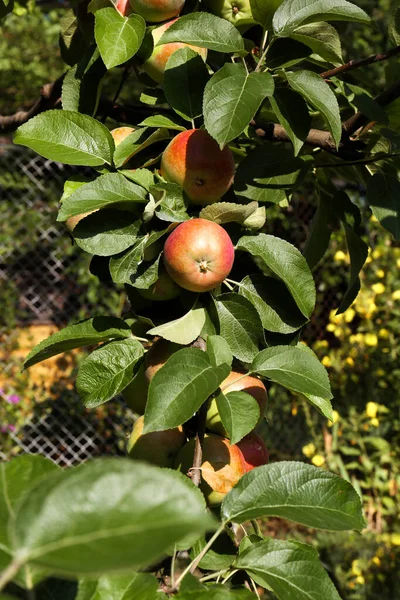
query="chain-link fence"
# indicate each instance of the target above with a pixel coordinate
(44, 279)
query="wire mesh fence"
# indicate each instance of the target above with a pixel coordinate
(43, 279)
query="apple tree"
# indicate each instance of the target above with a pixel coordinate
(238, 106)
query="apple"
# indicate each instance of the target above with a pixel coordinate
(237, 382)
(124, 7)
(158, 447)
(163, 289)
(198, 255)
(254, 451)
(156, 11)
(221, 468)
(194, 161)
(155, 64)
(135, 394)
(237, 12)
(120, 133)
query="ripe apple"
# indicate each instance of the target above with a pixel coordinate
(222, 466)
(156, 11)
(158, 447)
(155, 64)
(237, 12)
(198, 255)
(124, 7)
(236, 382)
(194, 161)
(135, 394)
(254, 451)
(163, 289)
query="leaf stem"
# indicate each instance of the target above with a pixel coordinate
(214, 575)
(173, 568)
(228, 285)
(231, 574)
(232, 281)
(256, 527)
(264, 54)
(8, 574)
(255, 588)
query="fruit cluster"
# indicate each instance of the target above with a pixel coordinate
(223, 463)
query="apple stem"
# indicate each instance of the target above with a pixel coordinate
(228, 285)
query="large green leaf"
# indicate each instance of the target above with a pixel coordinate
(249, 215)
(240, 325)
(133, 510)
(123, 266)
(107, 232)
(297, 492)
(293, 13)
(292, 112)
(318, 93)
(118, 38)
(295, 369)
(86, 333)
(323, 39)
(290, 569)
(264, 11)
(82, 83)
(206, 31)
(68, 137)
(231, 99)
(180, 387)
(185, 329)
(136, 586)
(319, 235)
(287, 263)
(239, 413)
(383, 196)
(137, 141)
(218, 350)
(111, 188)
(107, 371)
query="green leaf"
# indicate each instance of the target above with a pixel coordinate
(217, 592)
(134, 510)
(289, 568)
(323, 39)
(107, 232)
(248, 215)
(293, 13)
(276, 307)
(318, 93)
(67, 137)
(71, 40)
(383, 194)
(185, 329)
(118, 38)
(163, 121)
(267, 174)
(6, 6)
(146, 275)
(135, 142)
(220, 556)
(122, 267)
(86, 333)
(365, 103)
(295, 369)
(297, 492)
(82, 83)
(136, 586)
(180, 387)
(322, 404)
(218, 351)
(107, 371)
(319, 235)
(170, 204)
(143, 177)
(185, 78)
(111, 188)
(287, 263)
(394, 26)
(239, 414)
(293, 115)
(231, 99)
(205, 31)
(285, 53)
(264, 11)
(240, 325)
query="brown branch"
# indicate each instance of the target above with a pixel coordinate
(384, 99)
(362, 62)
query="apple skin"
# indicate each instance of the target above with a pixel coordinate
(254, 451)
(158, 447)
(163, 289)
(124, 8)
(156, 11)
(135, 394)
(237, 12)
(194, 161)
(222, 467)
(249, 384)
(198, 255)
(154, 66)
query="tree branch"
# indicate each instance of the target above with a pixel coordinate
(362, 62)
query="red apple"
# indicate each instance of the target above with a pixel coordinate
(158, 447)
(156, 11)
(124, 7)
(155, 64)
(194, 161)
(254, 451)
(163, 289)
(198, 255)
(237, 382)
(221, 468)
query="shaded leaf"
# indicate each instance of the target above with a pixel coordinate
(293, 115)
(383, 194)
(183, 330)
(107, 232)
(239, 413)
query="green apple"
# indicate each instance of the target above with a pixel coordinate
(158, 447)
(237, 12)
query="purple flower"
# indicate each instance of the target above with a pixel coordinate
(11, 428)
(6, 428)
(13, 399)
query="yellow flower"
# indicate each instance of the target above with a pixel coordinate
(326, 361)
(355, 568)
(383, 333)
(349, 315)
(378, 288)
(309, 450)
(335, 418)
(360, 579)
(395, 539)
(396, 295)
(374, 219)
(376, 253)
(380, 273)
(340, 256)
(371, 409)
(371, 339)
(318, 460)
(398, 262)
(374, 422)
(350, 361)
(330, 327)
(376, 560)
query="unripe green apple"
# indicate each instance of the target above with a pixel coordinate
(198, 255)
(158, 447)
(163, 289)
(254, 451)
(194, 161)
(155, 64)
(156, 11)
(237, 382)
(221, 468)
(237, 12)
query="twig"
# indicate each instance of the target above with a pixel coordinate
(362, 62)
(198, 450)
(384, 99)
